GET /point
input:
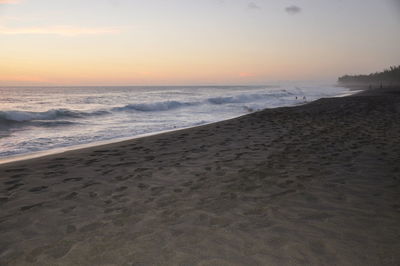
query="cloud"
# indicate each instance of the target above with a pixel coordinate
(293, 10)
(9, 1)
(252, 5)
(57, 30)
(396, 3)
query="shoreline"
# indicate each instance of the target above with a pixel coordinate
(62, 150)
(316, 184)
(99, 144)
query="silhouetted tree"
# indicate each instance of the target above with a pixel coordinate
(387, 77)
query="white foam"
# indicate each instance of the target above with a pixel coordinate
(52, 118)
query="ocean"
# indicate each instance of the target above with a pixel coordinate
(37, 119)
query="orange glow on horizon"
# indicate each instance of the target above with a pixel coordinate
(201, 42)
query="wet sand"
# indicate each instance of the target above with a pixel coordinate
(317, 184)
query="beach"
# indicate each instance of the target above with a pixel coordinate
(317, 184)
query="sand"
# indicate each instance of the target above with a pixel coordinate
(317, 184)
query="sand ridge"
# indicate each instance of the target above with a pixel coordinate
(311, 185)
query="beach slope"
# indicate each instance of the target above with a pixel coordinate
(317, 184)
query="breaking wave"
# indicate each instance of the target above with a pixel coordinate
(59, 117)
(242, 98)
(170, 105)
(155, 107)
(24, 116)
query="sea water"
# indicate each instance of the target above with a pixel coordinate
(34, 119)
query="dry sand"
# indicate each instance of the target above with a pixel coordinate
(312, 185)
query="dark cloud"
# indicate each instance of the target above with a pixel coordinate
(293, 10)
(252, 5)
(397, 3)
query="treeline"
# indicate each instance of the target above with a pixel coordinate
(389, 77)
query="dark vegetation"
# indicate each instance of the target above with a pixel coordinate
(389, 77)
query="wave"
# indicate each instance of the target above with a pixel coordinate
(61, 116)
(154, 107)
(24, 116)
(170, 105)
(53, 123)
(245, 98)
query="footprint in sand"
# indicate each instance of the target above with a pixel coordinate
(71, 195)
(15, 186)
(90, 183)
(60, 249)
(38, 189)
(16, 170)
(28, 207)
(72, 179)
(55, 166)
(12, 182)
(68, 209)
(142, 186)
(3, 200)
(122, 178)
(119, 189)
(71, 229)
(93, 194)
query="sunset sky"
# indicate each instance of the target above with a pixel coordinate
(176, 42)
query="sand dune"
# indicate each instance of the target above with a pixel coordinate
(311, 185)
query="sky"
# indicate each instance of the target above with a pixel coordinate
(194, 42)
